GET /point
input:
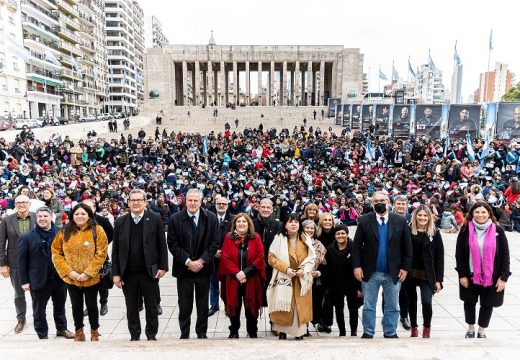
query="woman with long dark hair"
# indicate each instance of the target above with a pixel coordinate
(242, 274)
(78, 253)
(482, 256)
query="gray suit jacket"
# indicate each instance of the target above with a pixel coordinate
(9, 236)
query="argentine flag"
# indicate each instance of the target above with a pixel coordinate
(469, 148)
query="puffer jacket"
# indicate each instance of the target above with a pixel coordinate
(448, 220)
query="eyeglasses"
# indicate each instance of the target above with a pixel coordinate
(136, 200)
(223, 204)
(21, 203)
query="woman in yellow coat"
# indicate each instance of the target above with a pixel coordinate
(289, 294)
(78, 253)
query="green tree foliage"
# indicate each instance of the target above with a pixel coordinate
(513, 94)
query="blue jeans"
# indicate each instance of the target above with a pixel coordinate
(213, 289)
(391, 310)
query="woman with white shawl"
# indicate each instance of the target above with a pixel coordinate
(289, 294)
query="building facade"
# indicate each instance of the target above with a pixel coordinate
(494, 84)
(429, 88)
(290, 74)
(13, 83)
(153, 34)
(124, 21)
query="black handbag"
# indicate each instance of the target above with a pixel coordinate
(106, 281)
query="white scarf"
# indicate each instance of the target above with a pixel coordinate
(279, 291)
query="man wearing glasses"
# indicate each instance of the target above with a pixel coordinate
(223, 225)
(11, 227)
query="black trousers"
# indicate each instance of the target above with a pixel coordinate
(157, 294)
(135, 285)
(410, 286)
(339, 305)
(318, 294)
(57, 290)
(327, 310)
(185, 287)
(89, 295)
(103, 296)
(251, 321)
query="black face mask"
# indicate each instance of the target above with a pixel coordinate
(380, 208)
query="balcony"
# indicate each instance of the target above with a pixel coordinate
(68, 35)
(70, 74)
(71, 10)
(33, 41)
(46, 91)
(32, 70)
(87, 47)
(32, 9)
(73, 23)
(33, 26)
(72, 49)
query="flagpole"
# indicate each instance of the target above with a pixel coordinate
(490, 47)
(45, 86)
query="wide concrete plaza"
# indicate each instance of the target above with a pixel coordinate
(447, 339)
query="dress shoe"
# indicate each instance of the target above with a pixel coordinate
(353, 333)
(20, 326)
(414, 332)
(406, 323)
(43, 337)
(65, 333)
(134, 338)
(342, 333)
(202, 336)
(253, 335)
(470, 335)
(159, 309)
(366, 336)
(282, 336)
(324, 328)
(152, 338)
(85, 312)
(307, 334)
(212, 310)
(103, 310)
(298, 338)
(233, 336)
(481, 336)
(394, 336)
(184, 336)
(426, 333)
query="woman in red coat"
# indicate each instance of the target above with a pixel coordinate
(242, 274)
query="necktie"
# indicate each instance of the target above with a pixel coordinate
(382, 221)
(194, 233)
(136, 219)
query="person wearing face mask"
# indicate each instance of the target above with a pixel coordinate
(482, 258)
(381, 257)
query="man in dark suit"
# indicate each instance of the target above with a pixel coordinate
(139, 258)
(381, 257)
(192, 240)
(38, 275)
(223, 225)
(109, 231)
(11, 227)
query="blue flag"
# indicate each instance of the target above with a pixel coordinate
(370, 153)
(395, 74)
(410, 68)
(456, 56)
(431, 65)
(469, 148)
(381, 75)
(491, 40)
(205, 145)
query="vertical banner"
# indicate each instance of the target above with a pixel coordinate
(428, 121)
(401, 121)
(332, 102)
(445, 113)
(367, 115)
(508, 121)
(338, 114)
(382, 112)
(464, 119)
(412, 120)
(346, 115)
(491, 121)
(355, 118)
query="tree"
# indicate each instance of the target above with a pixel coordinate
(513, 94)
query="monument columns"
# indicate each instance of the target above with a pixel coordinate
(222, 88)
(173, 83)
(184, 83)
(260, 92)
(322, 83)
(271, 85)
(283, 85)
(309, 83)
(248, 97)
(209, 81)
(235, 82)
(196, 84)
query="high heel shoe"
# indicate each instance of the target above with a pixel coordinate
(298, 338)
(282, 336)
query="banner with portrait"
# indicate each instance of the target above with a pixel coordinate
(464, 119)
(508, 121)
(428, 121)
(355, 117)
(382, 119)
(367, 116)
(338, 114)
(346, 115)
(332, 103)
(401, 121)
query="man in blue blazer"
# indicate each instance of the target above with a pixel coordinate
(38, 275)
